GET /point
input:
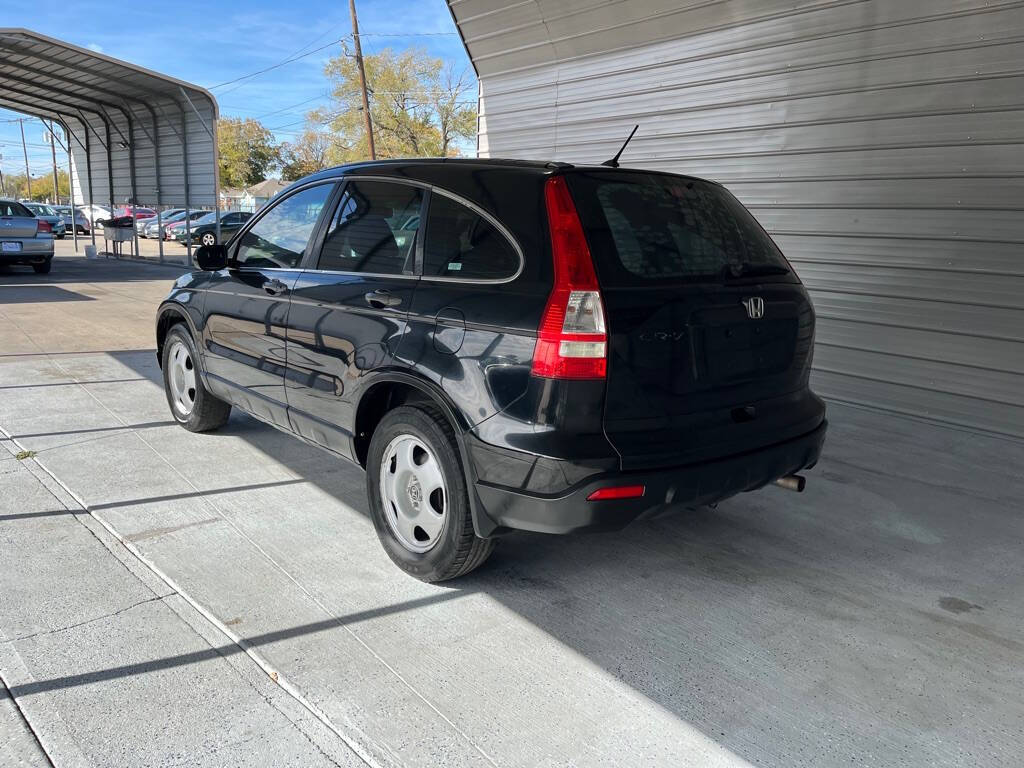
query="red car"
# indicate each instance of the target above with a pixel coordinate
(140, 213)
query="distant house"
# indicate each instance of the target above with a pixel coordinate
(250, 198)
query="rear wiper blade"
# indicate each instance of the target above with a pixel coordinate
(746, 269)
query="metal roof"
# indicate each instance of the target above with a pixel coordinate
(136, 135)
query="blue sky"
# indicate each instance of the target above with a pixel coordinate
(208, 43)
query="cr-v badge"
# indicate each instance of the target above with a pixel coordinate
(755, 307)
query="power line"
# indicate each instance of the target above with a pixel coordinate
(296, 56)
(405, 34)
(275, 66)
(282, 109)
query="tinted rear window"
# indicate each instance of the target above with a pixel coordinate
(11, 208)
(646, 227)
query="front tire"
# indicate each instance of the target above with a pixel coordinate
(418, 496)
(192, 406)
(208, 238)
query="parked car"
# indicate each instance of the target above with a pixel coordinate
(135, 212)
(171, 230)
(24, 238)
(95, 213)
(82, 223)
(566, 349)
(50, 216)
(149, 227)
(204, 231)
(142, 224)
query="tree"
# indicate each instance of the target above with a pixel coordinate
(247, 151)
(308, 154)
(418, 106)
(42, 186)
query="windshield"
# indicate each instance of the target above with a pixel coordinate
(41, 210)
(650, 227)
(209, 218)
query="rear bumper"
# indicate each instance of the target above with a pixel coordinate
(691, 485)
(32, 252)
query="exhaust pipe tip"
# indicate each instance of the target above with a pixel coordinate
(795, 483)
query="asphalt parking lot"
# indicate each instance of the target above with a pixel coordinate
(149, 248)
(179, 599)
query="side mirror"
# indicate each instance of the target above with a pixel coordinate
(211, 258)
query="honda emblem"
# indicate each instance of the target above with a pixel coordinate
(755, 307)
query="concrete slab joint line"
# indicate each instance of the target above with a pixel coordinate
(237, 639)
(364, 753)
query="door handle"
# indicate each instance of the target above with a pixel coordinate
(381, 299)
(274, 287)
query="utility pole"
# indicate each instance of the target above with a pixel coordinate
(28, 175)
(362, 79)
(53, 154)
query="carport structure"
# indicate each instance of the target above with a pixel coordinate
(134, 136)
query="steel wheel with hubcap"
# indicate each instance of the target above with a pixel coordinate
(419, 495)
(182, 378)
(196, 409)
(414, 494)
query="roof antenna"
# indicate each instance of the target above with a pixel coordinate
(614, 162)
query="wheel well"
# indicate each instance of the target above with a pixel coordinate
(380, 399)
(168, 319)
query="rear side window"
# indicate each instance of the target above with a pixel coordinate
(373, 229)
(280, 237)
(652, 227)
(460, 243)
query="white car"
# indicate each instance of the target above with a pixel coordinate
(94, 212)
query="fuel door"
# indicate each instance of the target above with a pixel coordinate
(449, 330)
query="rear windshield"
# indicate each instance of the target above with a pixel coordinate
(11, 208)
(648, 227)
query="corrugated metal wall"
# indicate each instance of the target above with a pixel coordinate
(201, 156)
(881, 143)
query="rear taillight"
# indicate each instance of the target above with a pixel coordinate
(572, 342)
(43, 226)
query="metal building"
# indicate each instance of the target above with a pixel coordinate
(135, 135)
(881, 142)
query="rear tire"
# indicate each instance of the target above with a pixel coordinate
(192, 405)
(42, 269)
(419, 498)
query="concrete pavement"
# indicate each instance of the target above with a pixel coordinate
(873, 619)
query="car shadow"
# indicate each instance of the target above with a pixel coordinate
(68, 269)
(776, 622)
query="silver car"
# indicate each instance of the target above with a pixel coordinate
(82, 223)
(148, 227)
(24, 239)
(50, 215)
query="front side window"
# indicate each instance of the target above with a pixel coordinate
(373, 229)
(461, 243)
(279, 239)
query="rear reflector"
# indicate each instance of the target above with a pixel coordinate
(571, 339)
(617, 492)
(43, 226)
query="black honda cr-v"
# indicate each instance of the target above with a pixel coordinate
(505, 345)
